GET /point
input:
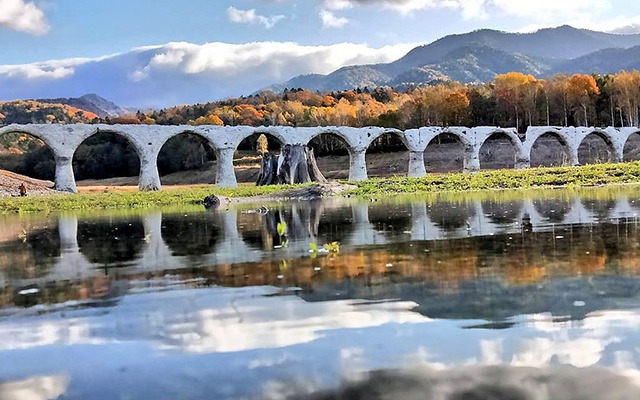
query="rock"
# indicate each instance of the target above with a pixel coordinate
(211, 201)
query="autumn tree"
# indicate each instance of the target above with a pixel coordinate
(581, 90)
(626, 91)
(514, 90)
(455, 107)
(262, 144)
(345, 113)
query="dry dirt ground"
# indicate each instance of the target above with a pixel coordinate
(247, 167)
(10, 185)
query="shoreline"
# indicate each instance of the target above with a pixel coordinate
(450, 183)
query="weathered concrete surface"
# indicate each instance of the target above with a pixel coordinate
(149, 139)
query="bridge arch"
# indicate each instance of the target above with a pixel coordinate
(631, 147)
(269, 131)
(247, 159)
(90, 156)
(27, 154)
(336, 132)
(447, 151)
(595, 147)
(505, 157)
(30, 130)
(333, 154)
(387, 153)
(187, 150)
(373, 136)
(550, 148)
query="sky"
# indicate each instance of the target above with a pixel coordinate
(44, 41)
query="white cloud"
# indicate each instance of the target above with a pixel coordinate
(273, 59)
(177, 73)
(48, 70)
(251, 17)
(330, 20)
(551, 9)
(23, 16)
(473, 9)
(619, 24)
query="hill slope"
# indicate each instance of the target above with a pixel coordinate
(36, 112)
(92, 103)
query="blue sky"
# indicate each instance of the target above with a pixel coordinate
(46, 40)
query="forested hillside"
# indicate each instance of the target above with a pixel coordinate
(33, 112)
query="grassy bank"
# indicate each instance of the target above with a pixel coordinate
(591, 175)
(134, 199)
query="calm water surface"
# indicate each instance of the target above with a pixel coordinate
(494, 296)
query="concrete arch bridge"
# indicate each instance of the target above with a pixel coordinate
(148, 140)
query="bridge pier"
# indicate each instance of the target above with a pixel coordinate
(574, 160)
(357, 165)
(416, 164)
(522, 163)
(149, 179)
(471, 162)
(225, 175)
(65, 180)
(618, 152)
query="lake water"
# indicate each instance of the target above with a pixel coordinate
(503, 295)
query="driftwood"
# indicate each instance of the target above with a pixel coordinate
(295, 164)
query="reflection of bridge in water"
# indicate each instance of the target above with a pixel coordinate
(148, 141)
(240, 238)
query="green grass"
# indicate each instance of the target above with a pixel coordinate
(101, 201)
(590, 175)
(439, 185)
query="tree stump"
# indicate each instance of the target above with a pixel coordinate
(268, 170)
(295, 164)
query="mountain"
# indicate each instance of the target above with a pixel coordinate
(92, 103)
(475, 63)
(603, 61)
(481, 55)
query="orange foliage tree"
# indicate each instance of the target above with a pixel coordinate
(581, 90)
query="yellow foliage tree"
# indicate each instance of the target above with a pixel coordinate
(626, 90)
(510, 89)
(580, 92)
(262, 145)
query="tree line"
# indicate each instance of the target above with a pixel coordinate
(511, 99)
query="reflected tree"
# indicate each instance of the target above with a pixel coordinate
(31, 256)
(111, 243)
(502, 213)
(554, 210)
(193, 235)
(450, 216)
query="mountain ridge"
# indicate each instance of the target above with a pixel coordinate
(467, 57)
(90, 102)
